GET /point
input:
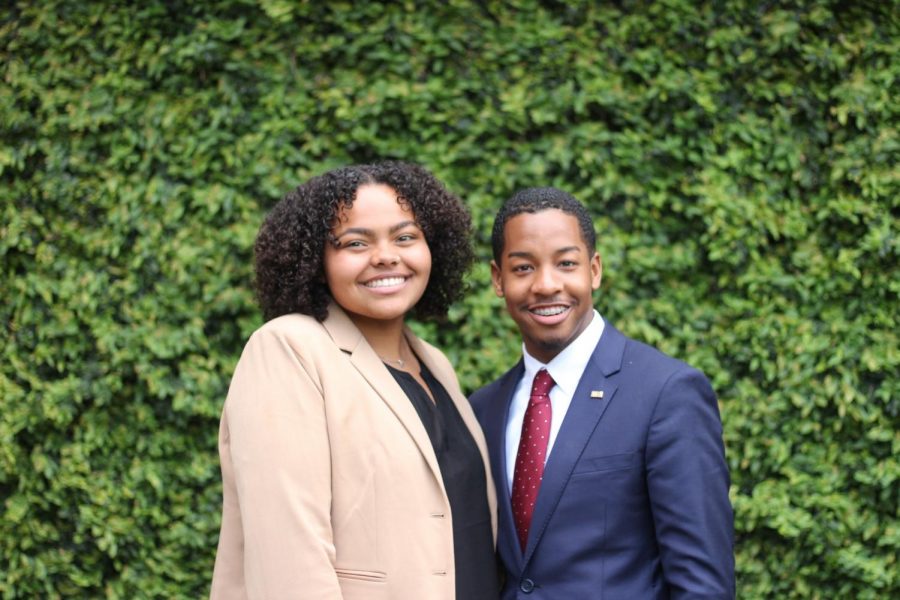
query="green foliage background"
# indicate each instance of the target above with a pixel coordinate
(740, 156)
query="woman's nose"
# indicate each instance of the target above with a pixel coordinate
(385, 256)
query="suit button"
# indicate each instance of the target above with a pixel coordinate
(526, 586)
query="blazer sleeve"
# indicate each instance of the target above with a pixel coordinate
(276, 465)
(688, 482)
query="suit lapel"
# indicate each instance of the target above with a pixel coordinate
(349, 339)
(579, 424)
(495, 418)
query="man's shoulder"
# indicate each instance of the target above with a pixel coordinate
(636, 350)
(647, 355)
(652, 371)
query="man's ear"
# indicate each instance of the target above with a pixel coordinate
(596, 271)
(495, 279)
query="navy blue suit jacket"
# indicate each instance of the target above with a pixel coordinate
(634, 498)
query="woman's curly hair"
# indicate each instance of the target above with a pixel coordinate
(290, 246)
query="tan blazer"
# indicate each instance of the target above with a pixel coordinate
(331, 485)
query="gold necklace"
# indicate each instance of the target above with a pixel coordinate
(399, 361)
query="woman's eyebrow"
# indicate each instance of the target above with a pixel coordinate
(364, 231)
(356, 231)
(401, 225)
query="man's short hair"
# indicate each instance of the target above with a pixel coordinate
(533, 200)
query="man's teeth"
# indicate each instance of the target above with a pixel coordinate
(386, 282)
(550, 311)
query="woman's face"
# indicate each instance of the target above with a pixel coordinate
(378, 266)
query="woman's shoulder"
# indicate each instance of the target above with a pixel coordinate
(289, 323)
(425, 347)
(298, 331)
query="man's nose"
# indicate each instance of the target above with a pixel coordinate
(546, 282)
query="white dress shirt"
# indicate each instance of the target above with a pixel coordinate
(566, 369)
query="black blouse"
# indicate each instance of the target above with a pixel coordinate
(464, 479)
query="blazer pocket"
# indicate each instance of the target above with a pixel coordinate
(600, 464)
(373, 576)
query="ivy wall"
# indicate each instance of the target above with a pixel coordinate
(740, 158)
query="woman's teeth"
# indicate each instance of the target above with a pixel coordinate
(386, 282)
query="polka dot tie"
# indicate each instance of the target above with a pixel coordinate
(531, 455)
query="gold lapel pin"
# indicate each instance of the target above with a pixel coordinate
(597, 394)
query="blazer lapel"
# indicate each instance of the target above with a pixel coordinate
(447, 378)
(585, 411)
(349, 339)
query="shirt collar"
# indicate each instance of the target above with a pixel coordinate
(567, 367)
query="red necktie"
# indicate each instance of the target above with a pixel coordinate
(531, 455)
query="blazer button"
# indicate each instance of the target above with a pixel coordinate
(526, 586)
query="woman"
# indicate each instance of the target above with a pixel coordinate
(352, 465)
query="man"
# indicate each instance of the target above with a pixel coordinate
(607, 454)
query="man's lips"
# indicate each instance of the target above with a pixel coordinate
(549, 314)
(548, 310)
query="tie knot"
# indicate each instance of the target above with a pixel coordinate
(542, 384)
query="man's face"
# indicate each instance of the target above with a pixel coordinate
(547, 275)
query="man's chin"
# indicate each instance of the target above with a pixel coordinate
(544, 349)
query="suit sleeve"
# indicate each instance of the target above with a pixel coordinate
(277, 477)
(688, 482)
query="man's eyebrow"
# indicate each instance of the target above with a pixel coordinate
(523, 254)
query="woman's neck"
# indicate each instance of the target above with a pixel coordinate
(385, 337)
